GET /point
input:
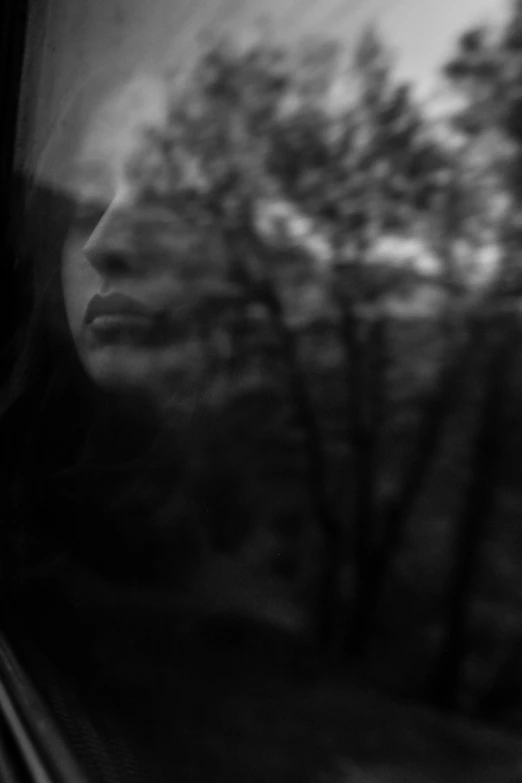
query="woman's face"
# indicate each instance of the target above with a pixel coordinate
(129, 268)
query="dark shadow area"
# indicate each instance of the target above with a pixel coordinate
(260, 508)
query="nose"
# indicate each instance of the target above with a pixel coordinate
(111, 248)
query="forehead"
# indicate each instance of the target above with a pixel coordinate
(114, 132)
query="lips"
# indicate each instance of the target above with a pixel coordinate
(119, 318)
(116, 308)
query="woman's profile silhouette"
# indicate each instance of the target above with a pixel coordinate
(101, 526)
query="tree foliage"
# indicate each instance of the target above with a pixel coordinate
(350, 303)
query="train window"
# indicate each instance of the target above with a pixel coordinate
(259, 421)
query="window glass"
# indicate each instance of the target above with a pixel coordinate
(260, 437)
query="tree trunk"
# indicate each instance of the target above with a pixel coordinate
(428, 438)
(479, 504)
(364, 430)
(327, 615)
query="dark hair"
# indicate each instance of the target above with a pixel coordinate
(53, 419)
(44, 366)
(80, 474)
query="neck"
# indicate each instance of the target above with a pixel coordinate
(126, 428)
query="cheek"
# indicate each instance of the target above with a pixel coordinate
(78, 282)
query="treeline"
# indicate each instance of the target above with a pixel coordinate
(361, 341)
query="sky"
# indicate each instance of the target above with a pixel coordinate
(423, 32)
(72, 38)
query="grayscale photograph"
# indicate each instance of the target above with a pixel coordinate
(261, 391)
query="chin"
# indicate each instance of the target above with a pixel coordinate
(122, 370)
(159, 379)
(166, 378)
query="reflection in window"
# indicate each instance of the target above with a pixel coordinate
(262, 421)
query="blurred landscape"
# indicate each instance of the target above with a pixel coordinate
(357, 453)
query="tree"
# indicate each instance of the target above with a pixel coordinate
(372, 168)
(485, 73)
(302, 188)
